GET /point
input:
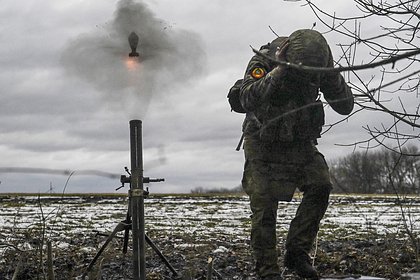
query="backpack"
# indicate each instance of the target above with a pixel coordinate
(233, 97)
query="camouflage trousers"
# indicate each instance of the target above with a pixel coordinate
(272, 173)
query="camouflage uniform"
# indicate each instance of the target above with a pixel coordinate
(283, 121)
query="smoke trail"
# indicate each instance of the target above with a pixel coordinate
(168, 57)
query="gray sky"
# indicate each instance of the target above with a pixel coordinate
(67, 95)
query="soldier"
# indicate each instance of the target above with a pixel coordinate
(284, 118)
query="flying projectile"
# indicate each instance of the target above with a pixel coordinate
(133, 40)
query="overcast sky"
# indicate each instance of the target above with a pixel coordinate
(67, 92)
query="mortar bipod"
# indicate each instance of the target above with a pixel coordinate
(126, 226)
(135, 215)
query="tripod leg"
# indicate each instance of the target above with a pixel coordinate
(126, 232)
(121, 226)
(159, 253)
(125, 245)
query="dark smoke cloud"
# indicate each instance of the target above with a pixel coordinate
(169, 57)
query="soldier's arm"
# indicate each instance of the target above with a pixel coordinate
(255, 87)
(336, 91)
(259, 83)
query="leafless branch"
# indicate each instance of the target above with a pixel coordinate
(301, 67)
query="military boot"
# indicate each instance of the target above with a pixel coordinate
(300, 262)
(266, 265)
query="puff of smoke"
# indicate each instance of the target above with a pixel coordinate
(169, 58)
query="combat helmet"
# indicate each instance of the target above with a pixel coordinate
(307, 47)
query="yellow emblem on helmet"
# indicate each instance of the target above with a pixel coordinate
(258, 73)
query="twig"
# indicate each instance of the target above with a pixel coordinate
(315, 250)
(42, 239)
(99, 275)
(18, 268)
(274, 32)
(10, 245)
(50, 261)
(209, 268)
(305, 68)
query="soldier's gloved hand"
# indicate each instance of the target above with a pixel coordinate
(278, 72)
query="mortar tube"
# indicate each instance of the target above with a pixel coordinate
(137, 198)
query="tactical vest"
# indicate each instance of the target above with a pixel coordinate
(294, 113)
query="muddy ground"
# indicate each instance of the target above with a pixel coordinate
(370, 252)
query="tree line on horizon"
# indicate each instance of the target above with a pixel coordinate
(365, 172)
(377, 172)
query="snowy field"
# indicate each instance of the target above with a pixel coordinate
(201, 217)
(360, 235)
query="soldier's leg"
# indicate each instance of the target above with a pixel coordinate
(303, 230)
(316, 187)
(304, 227)
(263, 234)
(263, 220)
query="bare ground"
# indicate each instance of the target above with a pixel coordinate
(378, 256)
(366, 253)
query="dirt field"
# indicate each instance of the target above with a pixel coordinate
(360, 235)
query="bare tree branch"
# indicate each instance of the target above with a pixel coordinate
(301, 67)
